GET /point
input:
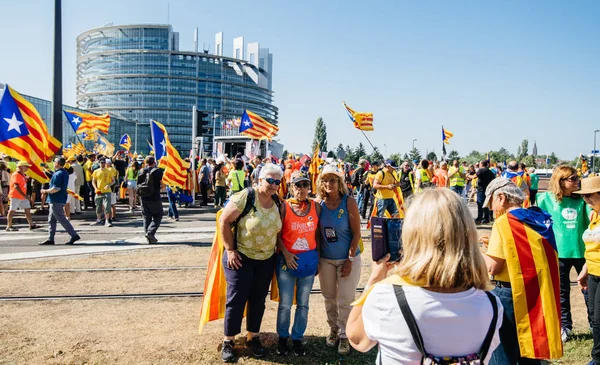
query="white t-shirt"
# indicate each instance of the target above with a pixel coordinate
(452, 324)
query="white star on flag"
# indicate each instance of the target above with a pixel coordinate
(246, 123)
(76, 120)
(13, 124)
(164, 144)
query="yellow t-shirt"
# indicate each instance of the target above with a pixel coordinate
(496, 249)
(114, 172)
(87, 168)
(257, 231)
(591, 237)
(104, 179)
(386, 178)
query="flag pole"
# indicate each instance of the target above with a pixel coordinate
(367, 138)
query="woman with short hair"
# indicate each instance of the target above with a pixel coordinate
(571, 218)
(339, 265)
(441, 281)
(249, 260)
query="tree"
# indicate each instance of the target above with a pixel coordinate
(360, 152)
(523, 149)
(529, 161)
(406, 157)
(453, 155)
(376, 155)
(501, 156)
(415, 154)
(396, 157)
(320, 138)
(553, 159)
(331, 154)
(431, 156)
(285, 154)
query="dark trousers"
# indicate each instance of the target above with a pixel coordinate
(483, 214)
(152, 212)
(250, 283)
(532, 194)
(366, 196)
(565, 266)
(594, 307)
(508, 352)
(173, 212)
(220, 194)
(89, 195)
(204, 193)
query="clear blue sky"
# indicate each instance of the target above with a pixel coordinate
(492, 72)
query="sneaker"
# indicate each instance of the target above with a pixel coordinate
(282, 347)
(35, 226)
(176, 219)
(47, 242)
(11, 229)
(344, 346)
(332, 338)
(73, 240)
(299, 348)
(565, 334)
(256, 347)
(227, 353)
(96, 223)
(108, 223)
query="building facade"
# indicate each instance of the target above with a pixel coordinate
(138, 73)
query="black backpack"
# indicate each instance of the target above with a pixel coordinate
(145, 183)
(356, 178)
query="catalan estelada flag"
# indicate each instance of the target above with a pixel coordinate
(21, 135)
(362, 121)
(88, 123)
(446, 135)
(125, 142)
(532, 263)
(256, 127)
(74, 194)
(175, 174)
(313, 169)
(104, 146)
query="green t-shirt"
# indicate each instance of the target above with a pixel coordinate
(535, 179)
(571, 218)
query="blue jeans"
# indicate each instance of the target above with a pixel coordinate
(457, 189)
(387, 204)
(172, 206)
(359, 201)
(56, 213)
(508, 352)
(286, 283)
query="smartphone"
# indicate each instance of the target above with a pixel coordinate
(386, 237)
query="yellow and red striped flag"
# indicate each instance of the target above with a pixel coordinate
(446, 135)
(313, 169)
(175, 174)
(532, 262)
(256, 127)
(88, 123)
(362, 121)
(74, 194)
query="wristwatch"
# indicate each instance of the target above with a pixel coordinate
(351, 258)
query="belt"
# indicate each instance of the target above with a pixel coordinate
(503, 284)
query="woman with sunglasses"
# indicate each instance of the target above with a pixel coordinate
(339, 265)
(298, 261)
(571, 218)
(589, 278)
(249, 261)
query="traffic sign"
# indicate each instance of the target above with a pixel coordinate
(595, 151)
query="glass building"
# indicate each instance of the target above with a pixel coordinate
(138, 73)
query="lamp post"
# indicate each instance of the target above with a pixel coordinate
(414, 140)
(214, 147)
(594, 154)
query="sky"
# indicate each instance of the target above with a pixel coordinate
(491, 72)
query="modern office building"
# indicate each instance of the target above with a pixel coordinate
(137, 72)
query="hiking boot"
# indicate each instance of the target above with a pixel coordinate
(332, 338)
(256, 347)
(566, 334)
(227, 352)
(344, 346)
(298, 348)
(282, 347)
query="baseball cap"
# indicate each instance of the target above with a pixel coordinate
(298, 176)
(496, 184)
(108, 160)
(390, 162)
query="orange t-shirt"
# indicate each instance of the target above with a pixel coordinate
(298, 233)
(297, 165)
(441, 177)
(288, 175)
(19, 179)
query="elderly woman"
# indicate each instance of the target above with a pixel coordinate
(522, 258)
(298, 261)
(339, 265)
(571, 217)
(589, 278)
(440, 280)
(249, 260)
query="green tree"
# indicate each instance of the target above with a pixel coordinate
(501, 155)
(553, 158)
(376, 155)
(523, 150)
(529, 161)
(396, 157)
(349, 154)
(474, 157)
(406, 157)
(331, 154)
(360, 152)
(453, 155)
(431, 156)
(320, 138)
(415, 154)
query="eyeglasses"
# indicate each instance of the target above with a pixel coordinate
(330, 180)
(272, 181)
(302, 185)
(572, 178)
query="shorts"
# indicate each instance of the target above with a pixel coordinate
(113, 198)
(131, 184)
(103, 203)
(389, 205)
(16, 204)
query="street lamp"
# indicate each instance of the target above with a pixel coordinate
(594, 153)
(414, 140)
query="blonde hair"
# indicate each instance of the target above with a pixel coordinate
(559, 174)
(342, 188)
(440, 243)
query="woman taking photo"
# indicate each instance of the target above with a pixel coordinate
(298, 261)
(589, 278)
(249, 260)
(339, 265)
(440, 280)
(571, 218)
(131, 176)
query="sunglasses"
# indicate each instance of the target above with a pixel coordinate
(272, 181)
(588, 195)
(572, 178)
(302, 185)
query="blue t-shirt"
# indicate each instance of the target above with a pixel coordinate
(335, 231)
(60, 179)
(205, 173)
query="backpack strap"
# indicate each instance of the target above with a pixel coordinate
(410, 319)
(487, 342)
(250, 199)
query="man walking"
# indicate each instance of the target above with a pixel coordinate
(18, 196)
(57, 193)
(484, 178)
(152, 210)
(385, 182)
(102, 181)
(204, 180)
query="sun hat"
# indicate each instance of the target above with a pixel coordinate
(589, 185)
(497, 183)
(298, 176)
(23, 164)
(333, 170)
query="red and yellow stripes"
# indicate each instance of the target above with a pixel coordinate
(532, 264)
(261, 129)
(175, 174)
(91, 123)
